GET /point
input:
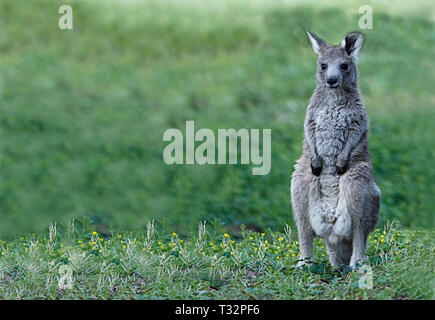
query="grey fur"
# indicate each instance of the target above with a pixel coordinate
(334, 195)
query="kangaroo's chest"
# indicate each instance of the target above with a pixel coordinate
(332, 129)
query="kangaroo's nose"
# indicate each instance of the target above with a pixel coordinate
(332, 81)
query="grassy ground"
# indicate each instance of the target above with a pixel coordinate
(84, 111)
(209, 265)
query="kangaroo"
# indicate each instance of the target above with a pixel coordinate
(333, 193)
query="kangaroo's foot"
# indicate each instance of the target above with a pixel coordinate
(307, 261)
(339, 253)
(356, 260)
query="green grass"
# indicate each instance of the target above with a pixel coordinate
(211, 264)
(84, 111)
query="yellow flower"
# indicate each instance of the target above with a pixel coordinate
(251, 238)
(263, 234)
(226, 235)
(280, 239)
(94, 233)
(174, 234)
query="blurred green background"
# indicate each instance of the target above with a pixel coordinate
(83, 112)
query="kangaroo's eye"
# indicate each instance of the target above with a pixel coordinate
(344, 66)
(323, 66)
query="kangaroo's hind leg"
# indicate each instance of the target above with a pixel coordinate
(300, 186)
(339, 253)
(362, 198)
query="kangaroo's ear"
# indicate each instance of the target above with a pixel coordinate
(318, 44)
(352, 43)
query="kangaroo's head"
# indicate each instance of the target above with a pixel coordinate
(337, 65)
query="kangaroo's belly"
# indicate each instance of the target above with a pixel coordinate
(328, 212)
(331, 134)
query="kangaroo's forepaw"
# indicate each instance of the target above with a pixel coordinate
(341, 165)
(316, 165)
